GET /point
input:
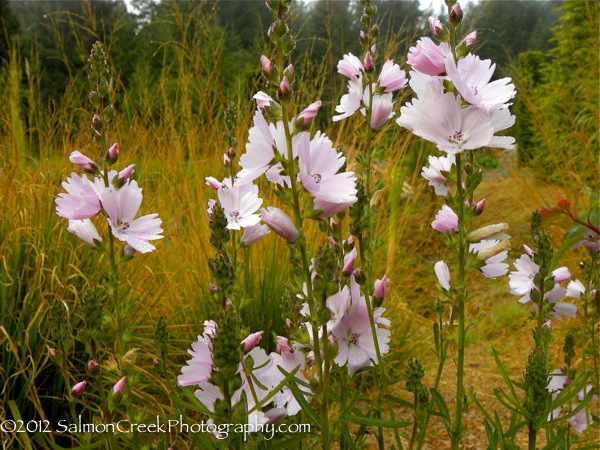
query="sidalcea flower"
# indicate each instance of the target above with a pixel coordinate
(81, 200)
(559, 309)
(427, 57)
(350, 66)
(240, 202)
(279, 222)
(119, 386)
(443, 274)
(288, 361)
(368, 62)
(319, 165)
(470, 39)
(380, 287)
(213, 183)
(199, 367)
(79, 387)
(561, 275)
(575, 289)
(283, 345)
(83, 162)
(480, 206)
(445, 220)
(252, 341)
(495, 266)
(350, 102)
(253, 234)
(113, 153)
(84, 230)
(285, 90)
(265, 64)
(126, 173)
(392, 78)
(382, 110)
(356, 347)
(435, 25)
(309, 113)
(121, 207)
(521, 281)
(580, 421)
(433, 173)
(591, 241)
(472, 76)
(92, 365)
(263, 100)
(349, 260)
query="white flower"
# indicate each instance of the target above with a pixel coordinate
(443, 274)
(521, 281)
(433, 173)
(84, 230)
(240, 203)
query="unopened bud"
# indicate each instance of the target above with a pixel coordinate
(284, 93)
(112, 154)
(129, 358)
(231, 153)
(368, 62)
(480, 206)
(92, 365)
(79, 387)
(456, 14)
(487, 232)
(119, 387)
(226, 160)
(359, 276)
(126, 173)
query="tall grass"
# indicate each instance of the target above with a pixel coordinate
(174, 150)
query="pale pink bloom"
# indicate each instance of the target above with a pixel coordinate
(279, 222)
(356, 347)
(382, 111)
(575, 289)
(289, 70)
(208, 394)
(591, 241)
(435, 25)
(561, 274)
(548, 325)
(79, 387)
(288, 362)
(380, 287)
(502, 119)
(521, 281)
(213, 183)
(456, 10)
(560, 309)
(319, 164)
(392, 77)
(92, 365)
(445, 220)
(122, 206)
(580, 421)
(263, 100)
(113, 152)
(350, 66)
(199, 367)
(585, 391)
(119, 387)
(350, 102)
(126, 173)
(443, 274)
(213, 287)
(368, 62)
(82, 161)
(241, 203)
(494, 266)
(309, 113)
(276, 415)
(252, 340)
(81, 200)
(226, 160)
(528, 250)
(470, 38)
(52, 351)
(349, 260)
(253, 234)
(472, 76)
(433, 173)
(265, 64)
(284, 88)
(427, 57)
(445, 122)
(210, 328)
(84, 230)
(480, 206)
(556, 382)
(283, 345)
(425, 85)
(339, 302)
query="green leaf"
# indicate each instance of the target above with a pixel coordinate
(267, 399)
(368, 421)
(441, 404)
(554, 442)
(503, 373)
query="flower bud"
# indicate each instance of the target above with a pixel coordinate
(283, 345)
(83, 162)
(480, 206)
(368, 62)
(97, 123)
(486, 253)
(309, 113)
(125, 174)
(456, 14)
(112, 154)
(362, 37)
(231, 153)
(265, 64)
(210, 327)
(279, 222)
(129, 250)
(79, 387)
(470, 38)
(284, 93)
(487, 232)
(443, 274)
(92, 365)
(561, 275)
(129, 358)
(528, 250)
(331, 242)
(52, 351)
(548, 325)
(381, 287)
(382, 109)
(213, 183)
(349, 261)
(226, 160)
(435, 25)
(289, 71)
(359, 276)
(263, 100)
(251, 341)
(119, 387)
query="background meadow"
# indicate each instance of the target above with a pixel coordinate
(176, 65)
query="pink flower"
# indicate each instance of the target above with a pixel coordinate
(285, 90)
(480, 206)
(445, 220)
(470, 38)
(350, 66)
(83, 162)
(574, 289)
(427, 58)
(263, 100)
(92, 365)
(119, 387)
(456, 12)
(443, 274)
(548, 325)
(528, 250)
(349, 260)
(435, 25)
(319, 165)
(368, 62)
(282, 345)
(308, 114)
(199, 367)
(210, 327)
(381, 287)
(253, 234)
(122, 206)
(392, 77)
(472, 76)
(580, 421)
(561, 275)
(81, 200)
(240, 203)
(350, 102)
(521, 281)
(433, 173)
(84, 230)
(265, 64)
(52, 351)
(585, 391)
(356, 347)
(126, 173)
(79, 387)
(252, 340)
(213, 183)
(288, 362)
(279, 222)
(382, 111)
(113, 153)
(494, 266)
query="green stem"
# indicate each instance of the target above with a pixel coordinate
(65, 374)
(100, 388)
(532, 436)
(415, 427)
